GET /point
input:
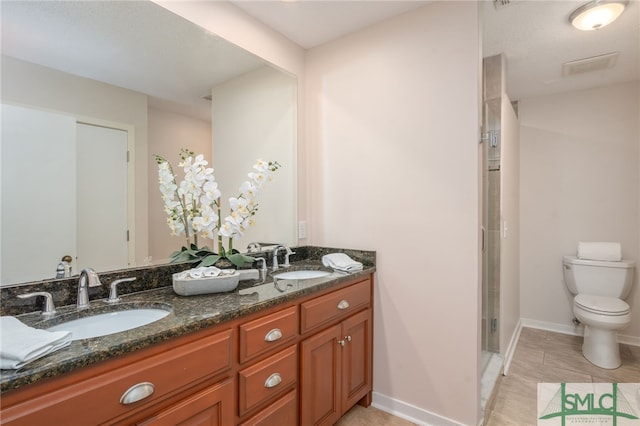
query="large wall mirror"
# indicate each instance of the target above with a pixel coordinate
(91, 91)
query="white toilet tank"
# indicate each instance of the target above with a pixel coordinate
(600, 278)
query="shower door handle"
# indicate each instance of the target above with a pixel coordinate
(484, 232)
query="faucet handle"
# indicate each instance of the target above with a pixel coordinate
(49, 308)
(264, 262)
(263, 269)
(288, 253)
(254, 248)
(113, 289)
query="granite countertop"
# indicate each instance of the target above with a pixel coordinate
(187, 315)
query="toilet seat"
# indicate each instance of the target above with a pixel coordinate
(602, 305)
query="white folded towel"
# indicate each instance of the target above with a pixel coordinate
(611, 252)
(341, 262)
(21, 344)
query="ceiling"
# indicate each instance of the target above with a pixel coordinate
(310, 23)
(534, 35)
(132, 44)
(87, 38)
(536, 38)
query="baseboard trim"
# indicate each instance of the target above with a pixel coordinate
(410, 412)
(572, 330)
(511, 349)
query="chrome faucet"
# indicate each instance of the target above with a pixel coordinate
(274, 263)
(88, 278)
(263, 269)
(288, 253)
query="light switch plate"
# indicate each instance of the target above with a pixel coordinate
(302, 230)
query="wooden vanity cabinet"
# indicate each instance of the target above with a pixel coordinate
(124, 389)
(336, 363)
(263, 382)
(305, 362)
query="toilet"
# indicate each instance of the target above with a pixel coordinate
(599, 288)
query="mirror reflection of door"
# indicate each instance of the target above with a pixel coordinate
(70, 198)
(101, 203)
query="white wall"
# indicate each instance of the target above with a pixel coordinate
(32, 85)
(168, 133)
(254, 116)
(232, 24)
(392, 132)
(32, 247)
(580, 182)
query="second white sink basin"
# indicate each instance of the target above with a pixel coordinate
(110, 322)
(301, 275)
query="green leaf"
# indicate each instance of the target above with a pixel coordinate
(240, 259)
(181, 256)
(203, 252)
(209, 260)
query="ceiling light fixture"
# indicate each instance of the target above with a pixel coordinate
(597, 14)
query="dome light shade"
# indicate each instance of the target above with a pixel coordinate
(597, 14)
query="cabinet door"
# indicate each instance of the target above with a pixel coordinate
(356, 359)
(320, 369)
(211, 407)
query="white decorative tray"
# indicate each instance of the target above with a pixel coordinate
(199, 281)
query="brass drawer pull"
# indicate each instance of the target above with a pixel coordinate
(343, 304)
(273, 380)
(273, 335)
(137, 392)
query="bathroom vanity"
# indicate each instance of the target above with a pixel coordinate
(285, 353)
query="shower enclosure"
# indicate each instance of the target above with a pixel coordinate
(491, 148)
(491, 228)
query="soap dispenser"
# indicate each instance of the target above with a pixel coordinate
(64, 267)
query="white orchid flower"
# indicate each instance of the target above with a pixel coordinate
(258, 178)
(192, 206)
(239, 206)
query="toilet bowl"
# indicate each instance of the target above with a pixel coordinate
(599, 288)
(602, 317)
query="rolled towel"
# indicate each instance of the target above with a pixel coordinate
(611, 252)
(341, 262)
(21, 344)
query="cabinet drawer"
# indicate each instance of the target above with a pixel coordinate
(283, 412)
(330, 307)
(212, 406)
(166, 372)
(267, 379)
(269, 332)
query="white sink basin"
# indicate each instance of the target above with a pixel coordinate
(301, 275)
(110, 322)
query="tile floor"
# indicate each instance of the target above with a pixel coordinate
(541, 356)
(370, 416)
(545, 356)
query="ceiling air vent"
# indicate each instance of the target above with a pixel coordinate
(595, 63)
